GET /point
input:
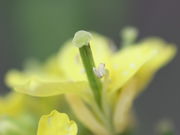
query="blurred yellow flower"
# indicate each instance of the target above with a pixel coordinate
(56, 124)
(11, 105)
(129, 70)
(19, 113)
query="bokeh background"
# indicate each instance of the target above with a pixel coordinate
(38, 28)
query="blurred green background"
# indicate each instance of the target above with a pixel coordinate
(38, 28)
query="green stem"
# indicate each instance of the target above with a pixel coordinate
(94, 81)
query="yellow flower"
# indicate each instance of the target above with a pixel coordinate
(56, 124)
(125, 74)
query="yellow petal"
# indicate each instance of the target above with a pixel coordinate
(129, 61)
(70, 60)
(56, 124)
(142, 77)
(86, 116)
(38, 86)
(123, 106)
(165, 53)
(15, 104)
(50, 68)
(11, 105)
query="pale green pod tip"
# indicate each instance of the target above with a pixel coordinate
(129, 35)
(82, 38)
(129, 32)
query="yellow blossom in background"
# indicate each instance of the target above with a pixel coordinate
(19, 113)
(56, 124)
(12, 104)
(123, 75)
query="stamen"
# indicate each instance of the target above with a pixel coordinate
(100, 71)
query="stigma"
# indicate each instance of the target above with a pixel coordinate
(82, 38)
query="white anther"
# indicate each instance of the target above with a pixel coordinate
(81, 38)
(100, 71)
